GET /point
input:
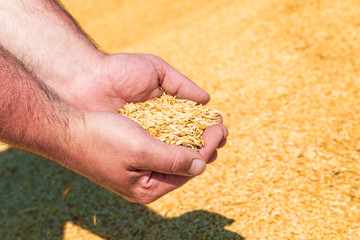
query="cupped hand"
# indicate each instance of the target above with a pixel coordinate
(121, 78)
(121, 156)
(128, 160)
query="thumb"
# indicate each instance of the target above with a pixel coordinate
(175, 160)
(175, 83)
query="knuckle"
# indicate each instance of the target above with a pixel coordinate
(216, 132)
(139, 153)
(177, 164)
(226, 131)
(220, 132)
(155, 59)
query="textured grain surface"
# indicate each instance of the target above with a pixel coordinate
(285, 75)
(172, 120)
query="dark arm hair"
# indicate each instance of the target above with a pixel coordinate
(32, 118)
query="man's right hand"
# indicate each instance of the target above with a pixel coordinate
(121, 156)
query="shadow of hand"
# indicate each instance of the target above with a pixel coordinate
(32, 207)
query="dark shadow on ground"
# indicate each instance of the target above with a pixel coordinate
(32, 207)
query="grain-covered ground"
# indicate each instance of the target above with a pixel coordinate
(286, 76)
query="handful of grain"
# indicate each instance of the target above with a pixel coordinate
(172, 120)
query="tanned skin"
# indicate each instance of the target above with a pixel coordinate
(65, 95)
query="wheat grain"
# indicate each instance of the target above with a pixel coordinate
(172, 120)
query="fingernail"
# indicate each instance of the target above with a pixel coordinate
(197, 167)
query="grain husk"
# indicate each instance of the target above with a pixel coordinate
(172, 120)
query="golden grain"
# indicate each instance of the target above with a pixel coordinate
(172, 120)
(94, 219)
(66, 191)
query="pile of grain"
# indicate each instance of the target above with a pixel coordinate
(285, 76)
(172, 120)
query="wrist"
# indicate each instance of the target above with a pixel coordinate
(72, 73)
(68, 151)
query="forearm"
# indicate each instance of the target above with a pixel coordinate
(43, 36)
(31, 117)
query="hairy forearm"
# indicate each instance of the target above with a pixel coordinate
(44, 36)
(31, 117)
